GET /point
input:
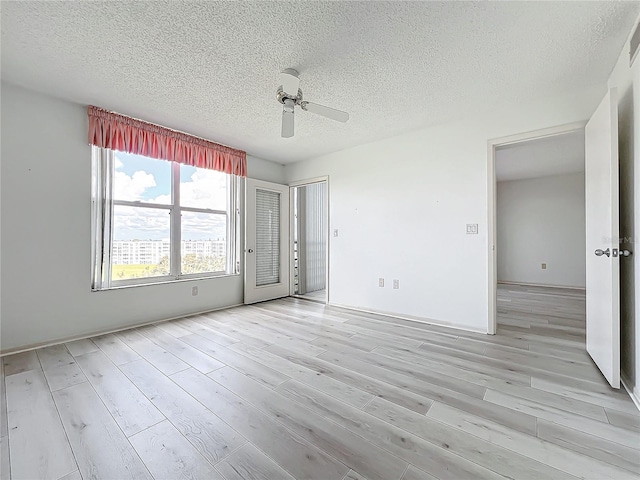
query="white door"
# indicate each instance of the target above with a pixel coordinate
(266, 253)
(603, 262)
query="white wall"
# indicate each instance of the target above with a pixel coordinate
(542, 220)
(265, 170)
(627, 81)
(45, 237)
(401, 205)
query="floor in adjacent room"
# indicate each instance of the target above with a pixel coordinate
(294, 389)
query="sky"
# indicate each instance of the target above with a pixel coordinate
(147, 180)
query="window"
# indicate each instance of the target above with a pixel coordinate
(158, 221)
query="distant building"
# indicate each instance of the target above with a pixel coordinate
(150, 252)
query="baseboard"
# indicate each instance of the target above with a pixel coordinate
(33, 346)
(500, 282)
(634, 392)
(428, 321)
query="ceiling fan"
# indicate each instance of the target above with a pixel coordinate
(290, 95)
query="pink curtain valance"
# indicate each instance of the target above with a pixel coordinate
(119, 132)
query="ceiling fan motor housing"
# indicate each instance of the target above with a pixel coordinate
(282, 96)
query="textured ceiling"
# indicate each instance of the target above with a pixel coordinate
(557, 155)
(211, 68)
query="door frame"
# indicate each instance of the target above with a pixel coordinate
(284, 240)
(492, 264)
(301, 183)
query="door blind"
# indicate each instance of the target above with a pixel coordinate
(267, 237)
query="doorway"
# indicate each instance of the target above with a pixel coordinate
(602, 236)
(541, 244)
(512, 171)
(309, 245)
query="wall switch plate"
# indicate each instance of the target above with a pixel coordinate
(194, 291)
(335, 232)
(396, 284)
(472, 228)
(381, 282)
(544, 266)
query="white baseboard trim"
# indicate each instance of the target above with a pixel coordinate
(634, 392)
(500, 282)
(11, 351)
(428, 321)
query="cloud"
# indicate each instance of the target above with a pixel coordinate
(132, 187)
(203, 189)
(118, 163)
(139, 223)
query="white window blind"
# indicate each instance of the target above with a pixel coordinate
(267, 237)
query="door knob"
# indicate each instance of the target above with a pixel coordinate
(625, 253)
(250, 250)
(599, 252)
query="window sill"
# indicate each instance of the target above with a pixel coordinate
(165, 280)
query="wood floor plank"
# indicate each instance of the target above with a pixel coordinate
(173, 328)
(20, 362)
(163, 360)
(562, 417)
(554, 456)
(249, 463)
(38, 446)
(210, 320)
(401, 367)
(80, 347)
(394, 394)
(129, 407)
(435, 459)
(298, 457)
(116, 349)
(72, 476)
(443, 368)
(590, 445)
(256, 370)
(448, 356)
(211, 437)
(208, 332)
(404, 381)
(623, 420)
(59, 367)
(341, 391)
(414, 473)
(100, 447)
(185, 352)
(492, 457)
(168, 455)
(603, 397)
(362, 456)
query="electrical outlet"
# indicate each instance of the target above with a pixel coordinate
(396, 284)
(544, 266)
(381, 282)
(335, 232)
(472, 228)
(194, 291)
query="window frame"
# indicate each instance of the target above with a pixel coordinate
(103, 173)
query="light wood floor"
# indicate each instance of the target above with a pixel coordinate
(293, 389)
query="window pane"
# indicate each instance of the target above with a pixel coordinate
(204, 242)
(141, 246)
(203, 188)
(141, 179)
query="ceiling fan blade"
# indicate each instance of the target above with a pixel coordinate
(290, 82)
(287, 123)
(328, 112)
